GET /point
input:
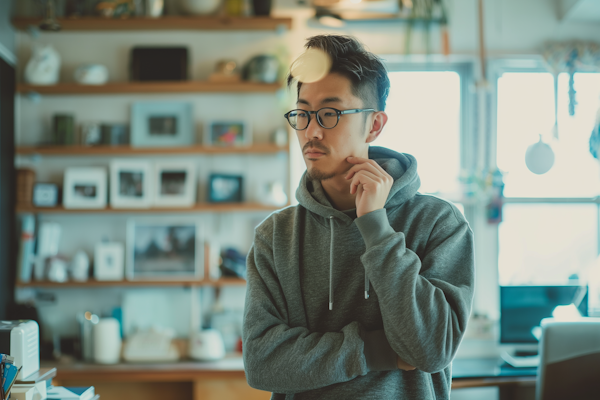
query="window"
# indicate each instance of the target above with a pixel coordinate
(428, 106)
(424, 109)
(549, 234)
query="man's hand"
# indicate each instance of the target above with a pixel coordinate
(403, 364)
(371, 184)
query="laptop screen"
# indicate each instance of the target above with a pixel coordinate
(523, 307)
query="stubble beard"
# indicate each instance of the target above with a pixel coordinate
(317, 174)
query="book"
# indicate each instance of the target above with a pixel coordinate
(70, 393)
(9, 375)
(26, 247)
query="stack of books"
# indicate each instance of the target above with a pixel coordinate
(8, 375)
(38, 386)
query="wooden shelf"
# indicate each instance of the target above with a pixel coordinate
(163, 23)
(201, 207)
(131, 151)
(100, 284)
(71, 88)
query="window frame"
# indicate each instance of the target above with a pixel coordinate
(464, 67)
(531, 64)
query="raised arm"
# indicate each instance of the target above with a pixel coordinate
(425, 303)
(286, 359)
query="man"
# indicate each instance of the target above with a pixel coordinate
(363, 290)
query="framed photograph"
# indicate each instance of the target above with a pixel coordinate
(164, 250)
(109, 261)
(174, 184)
(84, 188)
(45, 195)
(227, 133)
(130, 184)
(225, 188)
(162, 124)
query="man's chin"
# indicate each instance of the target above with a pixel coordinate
(319, 175)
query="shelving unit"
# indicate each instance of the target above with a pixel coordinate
(150, 87)
(261, 148)
(162, 23)
(202, 207)
(142, 283)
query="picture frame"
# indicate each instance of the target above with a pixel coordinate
(159, 249)
(84, 188)
(109, 261)
(45, 194)
(130, 184)
(224, 188)
(162, 124)
(174, 184)
(227, 133)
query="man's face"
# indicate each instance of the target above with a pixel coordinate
(325, 150)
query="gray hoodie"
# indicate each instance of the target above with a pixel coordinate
(332, 299)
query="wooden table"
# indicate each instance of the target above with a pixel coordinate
(225, 379)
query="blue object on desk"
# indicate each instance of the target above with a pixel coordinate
(9, 374)
(70, 393)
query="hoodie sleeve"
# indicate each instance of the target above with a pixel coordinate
(286, 359)
(425, 303)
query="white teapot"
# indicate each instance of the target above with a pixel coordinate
(44, 66)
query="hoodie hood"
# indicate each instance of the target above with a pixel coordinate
(401, 166)
(310, 194)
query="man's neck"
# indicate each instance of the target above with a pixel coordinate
(337, 190)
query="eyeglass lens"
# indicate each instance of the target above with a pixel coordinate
(299, 119)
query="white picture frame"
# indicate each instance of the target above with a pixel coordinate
(174, 184)
(162, 124)
(164, 250)
(109, 261)
(227, 133)
(84, 188)
(130, 184)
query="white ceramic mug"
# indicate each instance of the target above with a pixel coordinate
(107, 341)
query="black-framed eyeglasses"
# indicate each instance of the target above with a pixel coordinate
(327, 117)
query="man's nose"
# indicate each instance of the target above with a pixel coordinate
(314, 130)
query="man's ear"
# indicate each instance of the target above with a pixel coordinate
(378, 121)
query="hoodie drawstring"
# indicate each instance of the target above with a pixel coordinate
(367, 283)
(331, 265)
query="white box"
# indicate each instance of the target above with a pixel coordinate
(23, 339)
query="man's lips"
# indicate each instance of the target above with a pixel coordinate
(314, 153)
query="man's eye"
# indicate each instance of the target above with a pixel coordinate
(330, 114)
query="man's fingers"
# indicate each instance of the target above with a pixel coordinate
(362, 178)
(403, 365)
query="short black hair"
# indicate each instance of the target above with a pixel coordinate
(367, 74)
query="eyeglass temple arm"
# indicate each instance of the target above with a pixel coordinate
(356, 110)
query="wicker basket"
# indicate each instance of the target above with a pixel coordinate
(25, 181)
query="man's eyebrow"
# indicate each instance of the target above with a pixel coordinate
(326, 100)
(331, 100)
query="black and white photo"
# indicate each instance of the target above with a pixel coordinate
(130, 184)
(174, 184)
(84, 187)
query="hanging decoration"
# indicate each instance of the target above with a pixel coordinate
(484, 186)
(569, 57)
(595, 138)
(426, 11)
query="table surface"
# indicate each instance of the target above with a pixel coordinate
(473, 368)
(462, 368)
